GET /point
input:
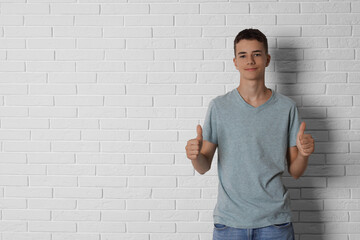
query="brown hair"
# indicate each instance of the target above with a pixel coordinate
(251, 34)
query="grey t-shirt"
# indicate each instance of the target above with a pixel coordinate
(252, 145)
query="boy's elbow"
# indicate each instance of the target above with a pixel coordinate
(203, 172)
(295, 176)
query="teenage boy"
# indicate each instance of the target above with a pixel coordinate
(256, 130)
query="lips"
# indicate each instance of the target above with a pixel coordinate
(250, 69)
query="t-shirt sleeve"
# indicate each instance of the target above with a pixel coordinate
(210, 124)
(294, 125)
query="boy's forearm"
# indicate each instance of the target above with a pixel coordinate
(298, 167)
(201, 164)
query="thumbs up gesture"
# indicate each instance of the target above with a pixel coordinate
(193, 146)
(304, 142)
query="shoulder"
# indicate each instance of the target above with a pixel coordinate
(285, 100)
(223, 99)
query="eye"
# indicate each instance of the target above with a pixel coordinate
(241, 56)
(257, 54)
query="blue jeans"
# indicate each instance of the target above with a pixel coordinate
(274, 232)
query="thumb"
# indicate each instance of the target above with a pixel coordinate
(199, 132)
(301, 130)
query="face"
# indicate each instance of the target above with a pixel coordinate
(251, 59)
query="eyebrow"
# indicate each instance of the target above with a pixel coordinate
(252, 51)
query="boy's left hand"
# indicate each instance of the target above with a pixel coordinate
(304, 142)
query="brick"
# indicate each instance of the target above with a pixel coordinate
(328, 101)
(99, 20)
(274, 8)
(72, 77)
(176, 31)
(148, 227)
(176, 193)
(98, 43)
(52, 204)
(343, 135)
(177, 236)
(304, 42)
(13, 226)
(96, 66)
(113, 170)
(124, 9)
(247, 19)
(205, 66)
(343, 19)
(343, 89)
(10, 20)
(309, 228)
(334, 7)
(12, 43)
(77, 32)
(200, 43)
(48, 20)
(170, 171)
(153, 182)
(335, 54)
(101, 227)
(303, 19)
(172, 55)
(224, 8)
(26, 215)
(12, 203)
(102, 204)
(150, 204)
(154, 20)
(75, 215)
(151, 43)
(125, 147)
(76, 9)
(99, 158)
(343, 112)
(101, 181)
(194, 227)
(163, 66)
(77, 235)
(51, 43)
(345, 181)
(77, 192)
(125, 216)
(26, 236)
(28, 32)
(324, 193)
(203, 204)
(310, 77)
(41, 66)
(24, 9)
(294, 66)
(13, 180)
(340, 227)
(325, 216)
(128, 55)
(199, 20)
(164, 8)
(127, 32)
(127, 193)
(344, 42)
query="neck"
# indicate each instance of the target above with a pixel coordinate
(253, 90)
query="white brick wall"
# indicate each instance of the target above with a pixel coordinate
(98, 99)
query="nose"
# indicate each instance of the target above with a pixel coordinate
(251, 60)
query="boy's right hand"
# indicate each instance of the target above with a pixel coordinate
(193, 146)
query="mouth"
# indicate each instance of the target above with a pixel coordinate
(250, 69)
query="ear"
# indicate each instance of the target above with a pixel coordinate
(268, 60)
(235, 63)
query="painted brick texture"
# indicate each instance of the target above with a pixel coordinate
(99, 97)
